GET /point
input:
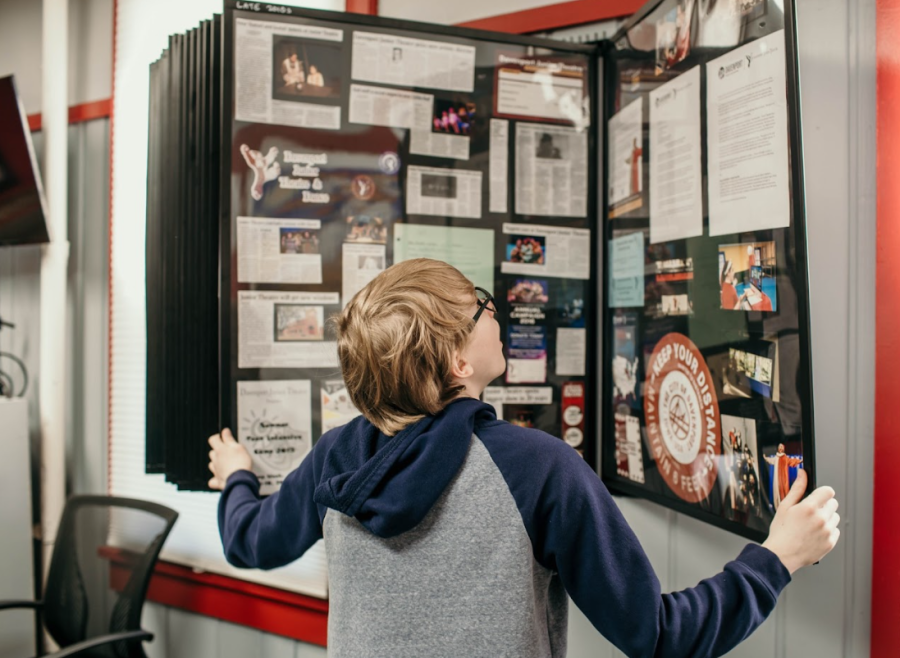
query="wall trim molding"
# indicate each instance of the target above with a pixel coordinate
(555, 16)
(263, 608)
(80, 113)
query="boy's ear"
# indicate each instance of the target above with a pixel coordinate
(462, 367)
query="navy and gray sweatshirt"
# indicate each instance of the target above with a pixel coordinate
(462, 535)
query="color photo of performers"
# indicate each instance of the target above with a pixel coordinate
(739, 479)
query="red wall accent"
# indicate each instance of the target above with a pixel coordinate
(550, 17)
(77, 113)
(264, 608)
(886, 538)
(369, 7)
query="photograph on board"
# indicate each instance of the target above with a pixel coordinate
(527, 249)
(295, 322)
(673, 35)
(747, 277)
(454, 117)
(782, 471)
(299, 241)
(304, 69)
(739, 475)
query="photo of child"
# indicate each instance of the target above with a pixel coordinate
(747, 277)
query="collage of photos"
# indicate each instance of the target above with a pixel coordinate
(703, 250)
(356, 147)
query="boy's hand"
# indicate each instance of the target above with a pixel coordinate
(803, 532)
(226, 457)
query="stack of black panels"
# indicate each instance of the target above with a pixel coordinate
(182, 267)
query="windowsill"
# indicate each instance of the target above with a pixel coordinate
(236, 601)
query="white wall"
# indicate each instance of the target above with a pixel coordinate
(90, 49)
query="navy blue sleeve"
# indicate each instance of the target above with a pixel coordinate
(271, 532)
(577, 530)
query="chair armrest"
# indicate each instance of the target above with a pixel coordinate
(100, 640)
(23, 603)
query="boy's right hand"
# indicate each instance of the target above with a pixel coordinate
(226, 456)
(804, 531)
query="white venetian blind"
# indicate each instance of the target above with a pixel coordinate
(142, 31)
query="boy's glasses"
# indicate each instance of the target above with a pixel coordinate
(485, 300)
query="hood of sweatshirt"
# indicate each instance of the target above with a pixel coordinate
(389, 483)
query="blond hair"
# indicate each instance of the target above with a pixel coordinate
(396, 340)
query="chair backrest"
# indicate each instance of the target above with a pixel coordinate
(77, 595)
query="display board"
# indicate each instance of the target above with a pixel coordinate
(295, 154)
(348, 144)
(707, 382)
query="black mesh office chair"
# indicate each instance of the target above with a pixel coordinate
(83, 612)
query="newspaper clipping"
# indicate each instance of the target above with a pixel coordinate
(505, 398)
(393, 60)
(274, 424)
(542, 88)
(499, 201)
(361, 264)
(443, 192)
(287, 74)
(278, 250)
(555, 251)
(394, 108)
(551, 171)
(284, 330)
(571, 351)
(470, 250)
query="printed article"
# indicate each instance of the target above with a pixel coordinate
(626, 159)
(515, 404)
(747, 133)
(551, 171)
(285, 329)
(394, 60)
(499, 166)
(543, 88)
(287, 74)
(571, 351)
(554, 251)
(274, 424)
(361, 263)
(676, 180)
(443, 192)
(337, 408)
(470, 250)
(394, 108)
(278, 250)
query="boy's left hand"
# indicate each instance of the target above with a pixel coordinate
(227, 456)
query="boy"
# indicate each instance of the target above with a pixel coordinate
(450, 533)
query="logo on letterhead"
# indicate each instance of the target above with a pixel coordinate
(682, 416)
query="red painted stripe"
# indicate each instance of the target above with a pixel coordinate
(101, 109)
(267, 609)
(556, 16)
(885, 636)
(109, 257)
(368, 7)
